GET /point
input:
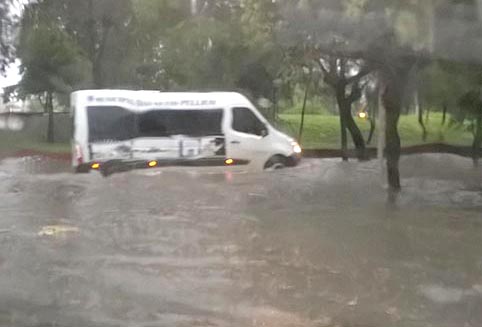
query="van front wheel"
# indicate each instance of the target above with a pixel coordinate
(276, 162)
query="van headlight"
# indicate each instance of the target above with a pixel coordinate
(296, 147)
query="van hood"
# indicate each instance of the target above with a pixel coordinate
(282, 135)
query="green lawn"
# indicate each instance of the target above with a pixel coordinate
(323, 131)
(10, 143)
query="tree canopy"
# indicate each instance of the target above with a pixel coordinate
(7, 20)
(268, 49)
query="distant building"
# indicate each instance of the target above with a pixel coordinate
(14, 106)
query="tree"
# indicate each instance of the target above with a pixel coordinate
(226, 45)
(153, 23)
(6, 26)
(395, 72)
(329, 34)
(397, 53)
(51, 63)
(99, 28)
(345, 76)
(364, 35)
(471, 110)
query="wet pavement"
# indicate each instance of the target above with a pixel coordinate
(317, 245)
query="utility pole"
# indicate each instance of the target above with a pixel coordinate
(479, 10)
(194, 7)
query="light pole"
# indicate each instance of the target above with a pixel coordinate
(381, 128)
(194, 7)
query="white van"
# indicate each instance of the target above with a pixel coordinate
(117, 130)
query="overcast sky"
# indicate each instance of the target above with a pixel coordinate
(12, 77)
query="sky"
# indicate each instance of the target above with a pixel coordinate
(12, 75)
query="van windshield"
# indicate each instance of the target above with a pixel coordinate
(108, 123)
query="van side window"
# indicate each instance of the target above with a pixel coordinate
(245, 121)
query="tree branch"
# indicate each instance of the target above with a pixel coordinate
(328, 75)
(356, 93)
(323, 69)
(364, 71)
(44, 104)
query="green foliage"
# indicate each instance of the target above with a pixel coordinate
(245, 44)
(202, 53)
(100, 29)
(49, 59)
(6, 26)
(470, 105)
(323, 131)
(444, 83)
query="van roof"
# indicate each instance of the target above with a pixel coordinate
(219, 99)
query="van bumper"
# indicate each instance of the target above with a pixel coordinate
(293, 160)
(116, 166)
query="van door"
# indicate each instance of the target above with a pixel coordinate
(248, 137)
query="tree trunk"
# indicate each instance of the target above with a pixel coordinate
(441, 135)
(422, 124)
(97, 74)
(356, 134)
(344, 138)
(303, 110)
(50, 126)
(99, 56)
(372, 129)
(444, 113)
(92, 43)
(96, 46)
(341, 112)
(349, 124)
(346, 120)
(393, 149)
(427, 115)
(416, 100)
(392, 100)
(373, 101)
(477, 140)
(273, 107)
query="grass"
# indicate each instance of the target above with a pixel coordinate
(311, 109)
(323, 131)
(11, 143)
(48, 147)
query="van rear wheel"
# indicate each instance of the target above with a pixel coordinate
(275, 163)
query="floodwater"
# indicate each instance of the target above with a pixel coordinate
(317, 245)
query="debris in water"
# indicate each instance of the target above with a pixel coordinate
(442, 294)
(55, 230)
(324, 321)
(353, 302)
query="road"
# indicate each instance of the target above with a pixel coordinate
(317, 246)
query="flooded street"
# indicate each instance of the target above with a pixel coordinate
(317, 246)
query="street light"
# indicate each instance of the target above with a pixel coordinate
(363, 115)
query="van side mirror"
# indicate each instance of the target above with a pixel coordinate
(264, 131)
